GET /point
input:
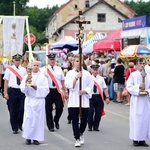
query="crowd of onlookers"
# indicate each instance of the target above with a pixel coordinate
(114, 70)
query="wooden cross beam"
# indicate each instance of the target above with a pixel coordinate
(80, 23)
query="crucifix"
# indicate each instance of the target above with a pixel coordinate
(80, 23)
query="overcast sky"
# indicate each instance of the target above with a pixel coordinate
(44, 3)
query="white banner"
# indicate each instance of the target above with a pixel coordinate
(1, 39)
(13, 34)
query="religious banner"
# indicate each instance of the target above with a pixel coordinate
(13, 34)
(1, 39)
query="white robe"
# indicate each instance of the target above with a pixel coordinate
(139, 108)
(34, 109)
(87, 85)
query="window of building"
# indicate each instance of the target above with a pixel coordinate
(87, 4)
(119, 20)
(76, 6)
(101, 17)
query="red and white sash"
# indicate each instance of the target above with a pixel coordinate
(56, 84)
(15, 72)
(101, 93)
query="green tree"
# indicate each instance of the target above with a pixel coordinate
(38, 18)
(140, 7)
(6, 7)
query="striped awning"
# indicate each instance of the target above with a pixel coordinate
(88, 45)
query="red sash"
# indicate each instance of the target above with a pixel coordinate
(56, 84)
(15, 72)
(101, 93)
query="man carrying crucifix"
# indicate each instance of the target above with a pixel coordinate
(72, 83)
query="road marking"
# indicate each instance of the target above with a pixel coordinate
(111, 112)
(43, 144)
(62, 138)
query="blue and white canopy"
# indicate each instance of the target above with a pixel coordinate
(88, 45)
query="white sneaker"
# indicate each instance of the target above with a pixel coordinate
(81, 139)
(77, 143)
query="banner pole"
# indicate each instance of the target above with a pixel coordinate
(31, 58)
(14, 6)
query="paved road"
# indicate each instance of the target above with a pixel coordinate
(113, 133)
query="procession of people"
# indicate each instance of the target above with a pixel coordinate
(50, 89)
(33, 93)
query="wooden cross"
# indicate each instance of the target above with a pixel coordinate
(80, 23)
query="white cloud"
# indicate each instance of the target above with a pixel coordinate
(51, 3)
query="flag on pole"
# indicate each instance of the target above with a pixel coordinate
(13, 34)
(1, 39)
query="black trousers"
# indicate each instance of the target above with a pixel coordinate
(95, 111)
(69, 117)
(2, 85)
(78, 128)
(16, 107)
(53, 98)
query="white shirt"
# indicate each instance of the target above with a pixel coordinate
(104, 69)
(4, 65)
(147, 68)
(101, 82)
(11, 77)
(87, 85)
(57, 72)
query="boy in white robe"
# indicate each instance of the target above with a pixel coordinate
(72, 83)
(139, 106)
(34, 113)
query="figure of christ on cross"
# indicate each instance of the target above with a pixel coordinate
(80, 23)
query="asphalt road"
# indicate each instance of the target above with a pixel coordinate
(113, 134)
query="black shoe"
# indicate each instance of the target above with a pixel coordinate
(57, 125)
(51, 129)
(96, 129)
(135, 143)
(89, 129)
(15, 132)
(143, 143)
(116, 101)
(28, 142)
(69, 121)
(20, 128)
(36, 142)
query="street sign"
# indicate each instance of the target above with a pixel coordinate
(32, 38)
